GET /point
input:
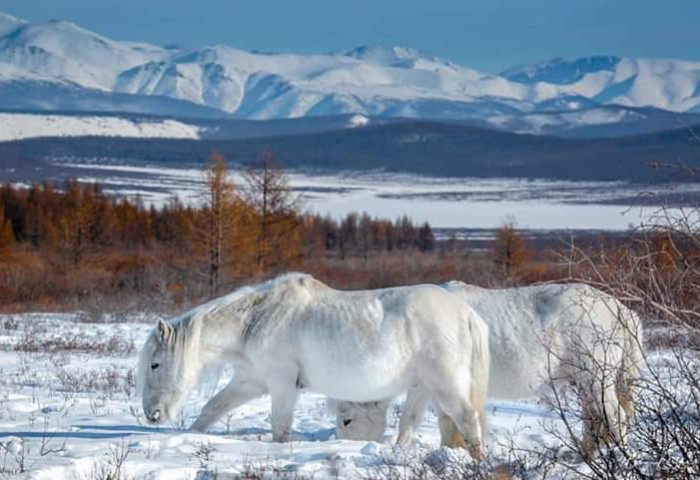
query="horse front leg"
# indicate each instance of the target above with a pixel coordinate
(233, 395)
(416, 402)
(283, 398)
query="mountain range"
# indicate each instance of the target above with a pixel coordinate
(59, 66)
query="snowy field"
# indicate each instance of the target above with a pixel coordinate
(19, 126)
(68, 411)
(475, 203)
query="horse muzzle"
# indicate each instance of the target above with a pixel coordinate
(155, 416)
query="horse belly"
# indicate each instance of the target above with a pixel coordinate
(508, 384)
(361, 380)
(518, 369)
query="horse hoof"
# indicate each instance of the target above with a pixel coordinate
(477, 454)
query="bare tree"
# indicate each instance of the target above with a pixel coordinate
(509, 249)
(426, 239)
(657, 273)
(268, 191)
(219, 219)
(365, 235)
(7, 236)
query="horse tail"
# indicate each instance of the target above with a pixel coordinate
(480, 362)
(480, 367)
(633, 359)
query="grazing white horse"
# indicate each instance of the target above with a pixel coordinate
(563, 333)
(295, 332)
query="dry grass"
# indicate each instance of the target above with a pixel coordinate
(114, 345)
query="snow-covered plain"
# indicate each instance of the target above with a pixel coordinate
(68, 410)
(19, 126)
(443, 202)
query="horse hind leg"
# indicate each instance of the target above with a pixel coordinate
(616, 416)
(604, 420)
(627, 382)
(452, 396)
(449, 434)
(416, 402)
(626, 398)
(466, 419)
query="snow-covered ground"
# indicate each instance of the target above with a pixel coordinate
(68, 411)
(475, 203)
(20, 126)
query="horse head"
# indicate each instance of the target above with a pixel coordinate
(167, 370)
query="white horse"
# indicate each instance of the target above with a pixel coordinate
(539, 337)
(295, 332)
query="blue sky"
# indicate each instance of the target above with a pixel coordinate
(489, 35)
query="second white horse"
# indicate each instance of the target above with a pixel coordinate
(539, 336)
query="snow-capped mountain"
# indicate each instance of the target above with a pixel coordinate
(560, 71)
(8, 23)
(60, 66)
(667, 84)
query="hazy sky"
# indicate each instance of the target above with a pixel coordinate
(489, 35)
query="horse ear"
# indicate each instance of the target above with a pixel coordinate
(165, 331)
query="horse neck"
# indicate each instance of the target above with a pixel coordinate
(217, 334)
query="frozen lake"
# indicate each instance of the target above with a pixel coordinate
(444, 202)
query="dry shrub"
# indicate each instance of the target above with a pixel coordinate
(112, 467)
(109, 381)
(113, 345)
(657, 273)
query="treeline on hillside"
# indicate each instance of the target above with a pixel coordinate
(70, 243)
(419, 147)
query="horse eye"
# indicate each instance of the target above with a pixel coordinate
(154, 366)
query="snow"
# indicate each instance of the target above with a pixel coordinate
(17, 126)
(544, 122)
(633, 82)
(391, 81)
(9, 24)
(358, 121)
(443, 202)
(69, 411)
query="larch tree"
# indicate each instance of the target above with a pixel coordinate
(75, 227)
(509, 249)
(365, 235)
(348, 235)
(7, 236)
(267, 190)
(426, 239)
(219, 219)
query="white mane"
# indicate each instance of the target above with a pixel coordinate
(201, 311)
(189, 323)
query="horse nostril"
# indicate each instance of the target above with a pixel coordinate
(347, 422)
(153, 416)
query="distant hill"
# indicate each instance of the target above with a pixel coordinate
(421, 147)
(20, 124)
